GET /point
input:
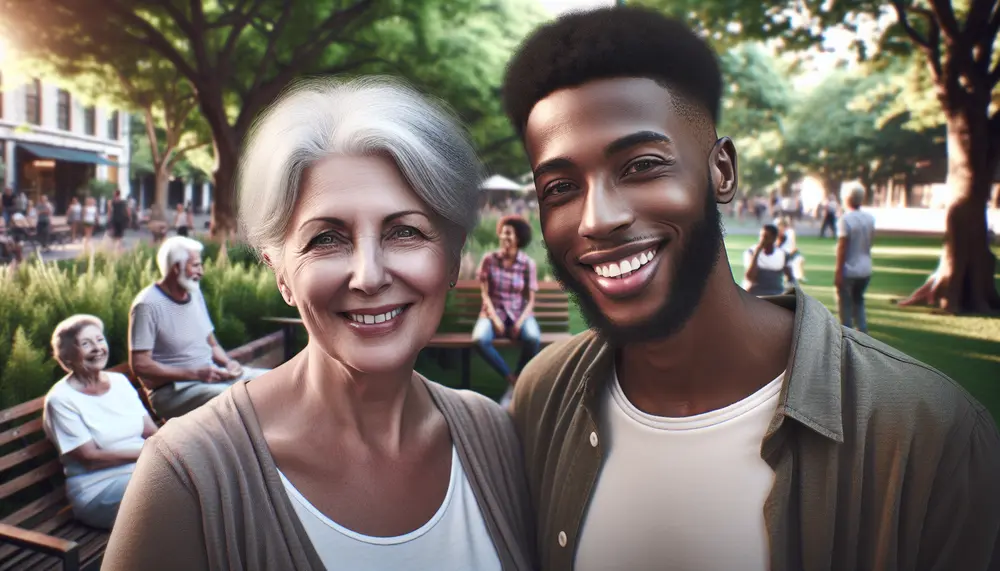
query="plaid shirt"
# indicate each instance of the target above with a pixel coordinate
(508, 287)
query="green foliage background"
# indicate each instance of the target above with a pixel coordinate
(36, 296)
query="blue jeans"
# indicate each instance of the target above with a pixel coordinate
(851, 302)
(530, 337)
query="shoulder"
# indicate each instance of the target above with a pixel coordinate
(902, 395)
(59, 393)
(210, 440)
(148, 297)
(556, 369)
(469, 409)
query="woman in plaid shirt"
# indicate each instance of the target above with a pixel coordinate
(509, 281)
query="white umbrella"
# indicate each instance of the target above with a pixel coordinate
(497, 182)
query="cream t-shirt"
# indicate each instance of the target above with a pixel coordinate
(680, 494)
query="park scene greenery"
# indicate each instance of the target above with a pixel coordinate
(892, 94)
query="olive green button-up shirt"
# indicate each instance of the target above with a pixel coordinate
(880, 461)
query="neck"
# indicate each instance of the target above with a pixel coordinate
(87, 378)
(731, 346)
(378, 409)
(174, 289)
(508, 253)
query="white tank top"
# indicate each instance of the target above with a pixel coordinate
(455, 538)
(90, 214)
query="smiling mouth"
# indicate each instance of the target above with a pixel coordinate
(626, 266)
(375, 318)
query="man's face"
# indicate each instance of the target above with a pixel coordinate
(767, 238)
(627, 204)
(191, 272)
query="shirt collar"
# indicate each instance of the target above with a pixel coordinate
(811, 389)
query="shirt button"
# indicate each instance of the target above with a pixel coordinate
(562, 539)
(593, 439)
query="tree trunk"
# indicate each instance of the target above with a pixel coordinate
(224, 196)
(162, 182)
(966, 283)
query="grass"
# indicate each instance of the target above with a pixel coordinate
(965, 348)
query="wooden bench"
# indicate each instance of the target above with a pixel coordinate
(37, 528)
(551, 312)
(455, 333)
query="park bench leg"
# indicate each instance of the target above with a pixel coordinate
(466, 368)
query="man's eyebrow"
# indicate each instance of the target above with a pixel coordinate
(551, 165)
(633, 139)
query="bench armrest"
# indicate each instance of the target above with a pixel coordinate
(39, 542)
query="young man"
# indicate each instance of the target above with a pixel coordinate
(697, 426)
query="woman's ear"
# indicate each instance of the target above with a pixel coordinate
(286, 292)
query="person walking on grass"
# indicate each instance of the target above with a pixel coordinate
(696, 426)
(853, 272)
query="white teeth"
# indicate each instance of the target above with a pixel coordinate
(369, 319)
(625, 266)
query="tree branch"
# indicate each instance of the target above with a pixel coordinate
(272, 41)
(945, 15)
(931, 45)
(152, 38)
(239, 24)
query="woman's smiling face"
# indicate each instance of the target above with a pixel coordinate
(366, 262)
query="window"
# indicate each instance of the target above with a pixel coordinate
(33, 102)
(113, 126)
(90, 121)
(63, 110)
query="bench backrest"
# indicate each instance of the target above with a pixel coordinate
(31, 476)
(551, 306)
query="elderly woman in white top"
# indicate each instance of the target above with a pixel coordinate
(359, 196)
(96, 421)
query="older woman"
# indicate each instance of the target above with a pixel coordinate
(509, 279)
(96, 421)
(359, 196)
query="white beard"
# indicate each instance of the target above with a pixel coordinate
(192, 286)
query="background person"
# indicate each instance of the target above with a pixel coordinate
(183, 220)
(74, 218)
(95, 420)
(359, 196)
(766, 265)
(172, 344)
(508, 279)
(89, 221)
(787, 241)
(119, 219)
(853, 272)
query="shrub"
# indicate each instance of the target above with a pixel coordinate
(36, 296)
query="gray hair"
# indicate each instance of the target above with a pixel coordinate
(64, 337)
(853, 195)
(176, 250)
(319, 117)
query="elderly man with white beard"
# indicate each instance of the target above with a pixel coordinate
(172, 345)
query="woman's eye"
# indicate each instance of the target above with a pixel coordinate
(322, 240)
(406, 232)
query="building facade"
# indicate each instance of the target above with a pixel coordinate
(53, 144)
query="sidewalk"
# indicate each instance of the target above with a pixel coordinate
(103, 242)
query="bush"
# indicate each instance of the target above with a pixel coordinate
(36, 296)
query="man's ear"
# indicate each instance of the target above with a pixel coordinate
(723, 170)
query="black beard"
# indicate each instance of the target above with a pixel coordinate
(691, 273)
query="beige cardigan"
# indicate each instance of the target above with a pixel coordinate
(206, 493)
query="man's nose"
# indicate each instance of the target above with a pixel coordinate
(605, 211)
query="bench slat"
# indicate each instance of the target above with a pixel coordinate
(20, 410)
(28, 428)
(55, 497)
(30, 451)
(21, 482)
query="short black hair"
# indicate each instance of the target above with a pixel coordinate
(771, 229)
(522, 230)
(609, 43)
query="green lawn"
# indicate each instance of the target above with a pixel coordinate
(965, 348)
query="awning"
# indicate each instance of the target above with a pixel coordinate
(61, 154)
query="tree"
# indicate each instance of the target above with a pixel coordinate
(755, 102)
(956, 43)
(237, 55)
